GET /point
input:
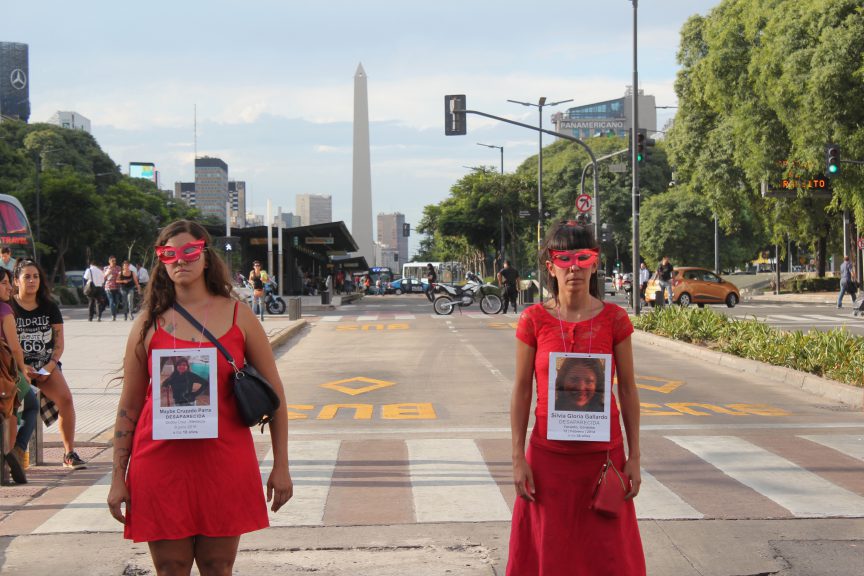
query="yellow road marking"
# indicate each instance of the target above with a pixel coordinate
(401, 411)
(665, 388)
(693, 409)
(339, 385)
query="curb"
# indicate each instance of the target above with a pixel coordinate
(286, 333)
(823, 387)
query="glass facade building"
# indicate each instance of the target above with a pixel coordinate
(14, 81)
(612, 117)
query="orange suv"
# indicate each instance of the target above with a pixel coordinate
(696, 286)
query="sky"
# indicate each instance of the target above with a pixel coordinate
(272, 83)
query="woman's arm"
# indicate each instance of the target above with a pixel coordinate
(10, 332)
(135, 380)
(520, 408)
(628, 398)
(59, 344)
(260, 355)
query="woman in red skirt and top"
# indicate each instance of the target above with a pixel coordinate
(554, 530)
(190, 498)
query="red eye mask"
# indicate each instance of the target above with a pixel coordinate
(584, 258)
(188, 252)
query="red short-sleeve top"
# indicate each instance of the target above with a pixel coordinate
(539, 329)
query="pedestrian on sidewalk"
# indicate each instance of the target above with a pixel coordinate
(127, 281)
(40, 331)
(554, 531)
(190, 500)
(94, 289)
(644, 278)
(508, 280)
(664, 278)
(17, 438)
(846, 282)
(257, 278)
(6, 260)
(112, 289)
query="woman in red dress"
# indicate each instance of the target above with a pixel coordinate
(191, 499)
(554, 531)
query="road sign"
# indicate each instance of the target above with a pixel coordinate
(583, 203)
(861, 243)
(620, 168)
(525, 213)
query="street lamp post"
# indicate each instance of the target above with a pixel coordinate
(38, 200)
(540, 105)
(501, 245)
(637, 303)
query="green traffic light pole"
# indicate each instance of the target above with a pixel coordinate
(596, 200)
(454, 111)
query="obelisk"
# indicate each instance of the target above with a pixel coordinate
(361, 197)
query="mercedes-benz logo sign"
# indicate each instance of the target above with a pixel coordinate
(18, 79)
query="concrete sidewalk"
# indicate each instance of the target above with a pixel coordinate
(803, 297)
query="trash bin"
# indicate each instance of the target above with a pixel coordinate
(325, 297)
(660, 298)
(294, 308)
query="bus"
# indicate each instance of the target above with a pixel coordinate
(448, 272)
(15, 228)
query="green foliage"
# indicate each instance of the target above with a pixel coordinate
(806, 284)
(835, 354)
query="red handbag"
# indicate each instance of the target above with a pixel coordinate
(609, 491)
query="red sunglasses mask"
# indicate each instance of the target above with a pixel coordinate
(189, 252)
(566, 259)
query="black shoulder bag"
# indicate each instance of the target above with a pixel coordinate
(256, 399)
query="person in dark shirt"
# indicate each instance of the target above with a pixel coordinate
(431, 277)
(185, 385)
(508, 280)
(664, 278)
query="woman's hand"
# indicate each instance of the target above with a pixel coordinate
(632, 471)
(523, 479)
(280, 488)
(119, 494)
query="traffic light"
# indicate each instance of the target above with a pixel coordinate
(641, 144)
(832, 159)
(406, 229)
(454, 115)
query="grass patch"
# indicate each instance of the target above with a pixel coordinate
(837, 354)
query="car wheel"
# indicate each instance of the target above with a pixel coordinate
(684, 300)
(398, 291)
(731, 300)
(443, 305)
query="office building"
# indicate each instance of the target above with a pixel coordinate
(70, 120)
(612, 117)
(185, 191)
(237, 198)
(14, 81)
(211, 187)
(388, 256)
(391, 234)
(286, 219)
(314, 209)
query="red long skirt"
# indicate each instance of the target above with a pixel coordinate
(558, 534)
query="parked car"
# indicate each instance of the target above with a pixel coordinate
(75, 279)
(407, 285)
(609, 286)
(691, 285)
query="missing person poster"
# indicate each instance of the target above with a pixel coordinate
(580, 396)
(185, 398)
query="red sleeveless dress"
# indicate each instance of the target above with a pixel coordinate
(183, 488)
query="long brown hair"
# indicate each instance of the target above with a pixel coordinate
(159, 295)
(569, 236)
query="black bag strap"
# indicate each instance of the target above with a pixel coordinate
(197, 325)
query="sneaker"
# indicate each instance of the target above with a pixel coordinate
(15, 469)
(72, 460)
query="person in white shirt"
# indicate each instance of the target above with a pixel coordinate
(143, 277)
(6, 260)
(94, 289)
(644, 277)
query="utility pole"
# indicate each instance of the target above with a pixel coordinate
(637, 303)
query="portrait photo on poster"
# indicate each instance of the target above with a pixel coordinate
(580, 393)
(185, 398)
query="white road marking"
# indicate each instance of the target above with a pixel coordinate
(657, 502)
(803, 493)
(331, 318)
(774, 317)
(849, 444)
(312, 463)
(367, 318)
(404, 317)
(88, 512)
(451, 483)
(824, 318)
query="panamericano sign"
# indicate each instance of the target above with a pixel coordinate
(591, 124)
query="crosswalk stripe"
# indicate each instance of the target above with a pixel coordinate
(774, 317)
(367, 318)
(803, 493)
(657, 502)
(823, 318)
(404, 317)
(312, 463)
(849, 444)
(452, 483)
(331, 318)
(88, 512)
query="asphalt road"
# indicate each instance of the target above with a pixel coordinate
(400, 453)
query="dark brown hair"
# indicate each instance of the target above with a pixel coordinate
(568, 236)
(43, 294)
(160, 295)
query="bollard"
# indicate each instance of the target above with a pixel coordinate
(294, 309)
(325, 297)
(5, 480)
(37, 442)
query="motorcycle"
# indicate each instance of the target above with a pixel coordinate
(447, 298)
(273, 303)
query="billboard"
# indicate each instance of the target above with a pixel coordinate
(14, 81)
(146, 170)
